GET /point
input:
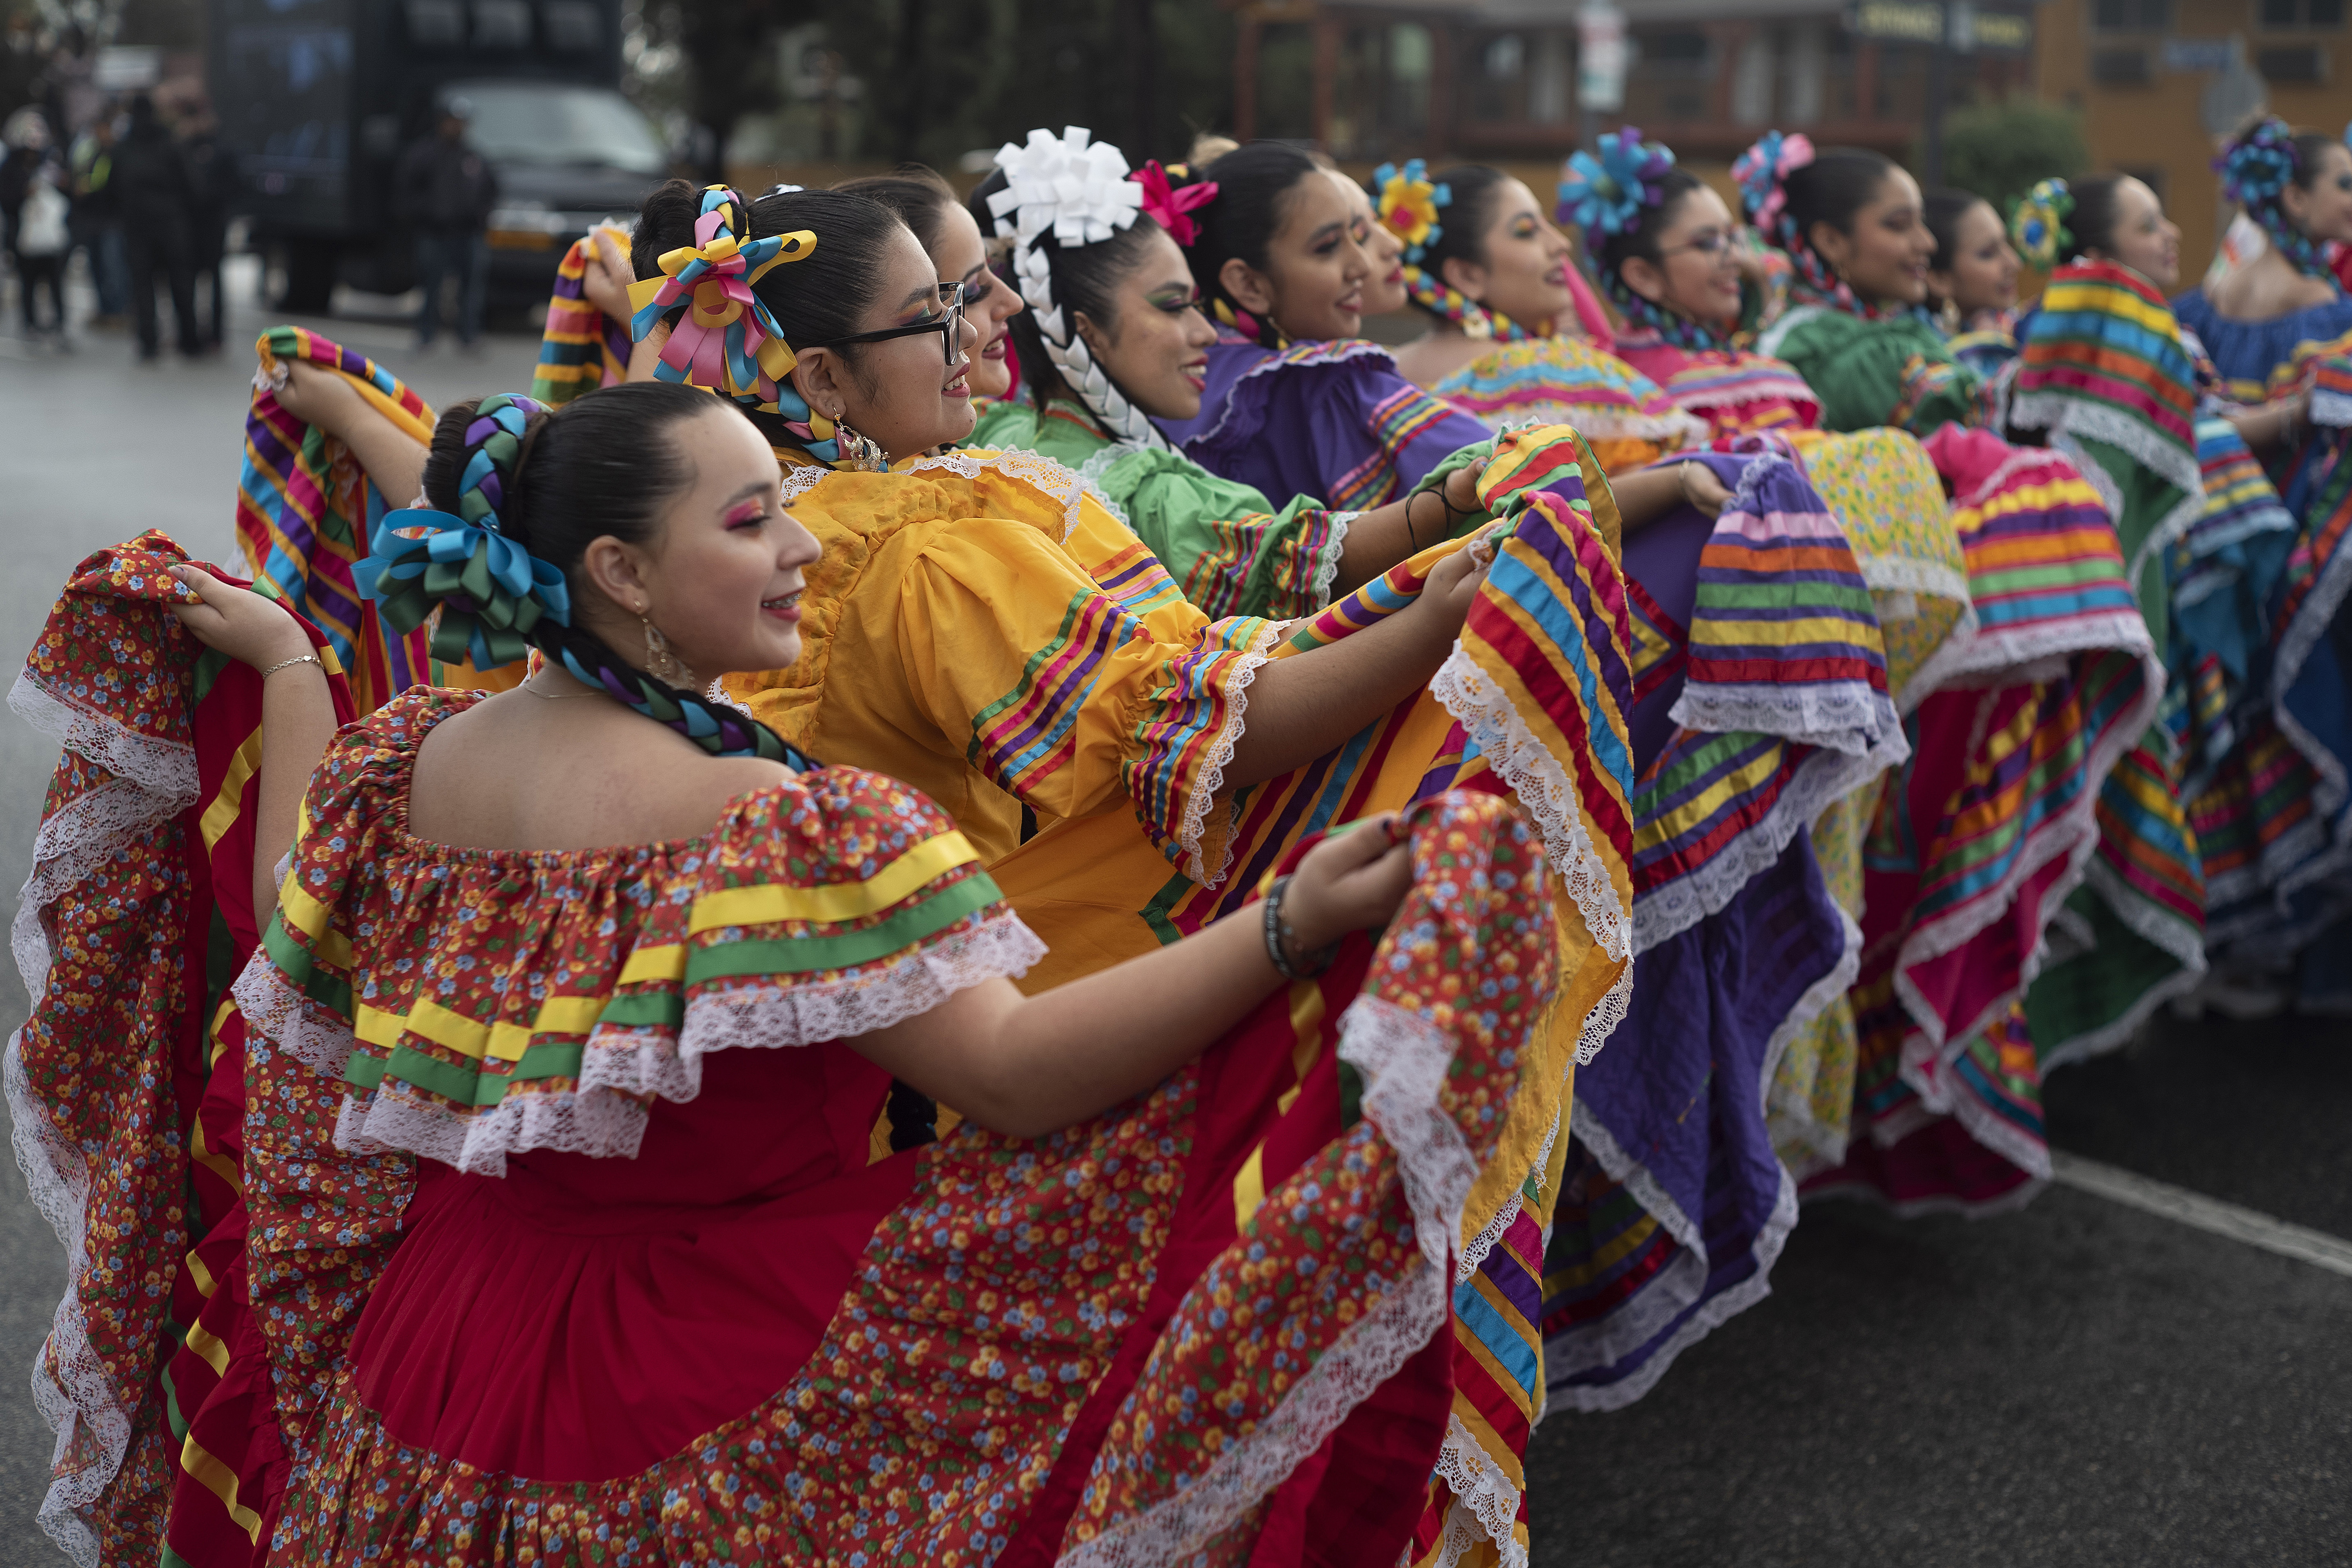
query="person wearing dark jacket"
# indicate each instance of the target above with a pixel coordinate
(446, 191)
(152, 190)
(212, 179)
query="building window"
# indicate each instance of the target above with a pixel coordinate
(2142, 15)
(2119, 67)
(1506, 57)
(1683, 54)
(2303, 66)
(2300, 16)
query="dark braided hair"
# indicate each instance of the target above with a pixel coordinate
(1086, 280)
(1255, 183)
(602, 464)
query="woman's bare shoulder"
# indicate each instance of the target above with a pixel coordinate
(506, 775)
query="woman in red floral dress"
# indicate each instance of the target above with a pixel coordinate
(596, 1214)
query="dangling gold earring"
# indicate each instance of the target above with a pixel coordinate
(856, 451)
(660, 663)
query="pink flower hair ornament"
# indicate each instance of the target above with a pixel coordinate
(1762, 171)
(1166, 204)
(727, 340)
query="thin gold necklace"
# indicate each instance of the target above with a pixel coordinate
(554, 696)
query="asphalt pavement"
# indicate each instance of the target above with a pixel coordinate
(2078, 1385)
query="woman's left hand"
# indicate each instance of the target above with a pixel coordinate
(244, 625)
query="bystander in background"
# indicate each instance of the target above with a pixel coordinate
(444, 191)
(34, 211)
(153, 192)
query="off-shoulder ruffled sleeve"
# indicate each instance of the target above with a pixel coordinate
(1333, 420)
(1891, 372)
(1077, 694)
(478, 1003)
(1230, 550)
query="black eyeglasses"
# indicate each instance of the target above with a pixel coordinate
(948, 325)
(1710, 241)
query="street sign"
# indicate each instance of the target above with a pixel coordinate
(1600, 57)
(1898, 21)
(1962, 26)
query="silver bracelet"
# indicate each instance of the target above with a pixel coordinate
(305, 659)
(1277, 931)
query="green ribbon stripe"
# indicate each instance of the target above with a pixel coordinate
(666, 1007)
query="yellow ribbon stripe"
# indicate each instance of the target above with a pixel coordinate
(220, 815)
(314, 920)
(221, 1482)
(499, 1042)
(834, 901)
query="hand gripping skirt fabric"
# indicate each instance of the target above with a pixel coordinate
(1207, 1326)
(1760, 700)
(126, 1085)
(305, 508)
(1531, 702)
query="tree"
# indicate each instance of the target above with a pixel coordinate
(1999, 149)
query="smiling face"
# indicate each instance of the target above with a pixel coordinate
(1981, 273)
(1524, 274)
(989, 302)
(1883, 255)
(1156, 344)
(1384, 289)
(2323, 209)
(1312, 286)
(2144, 240)
(1696, 275)
(721, 577)
(905, 394)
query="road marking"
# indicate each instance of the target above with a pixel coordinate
(2207, 1214)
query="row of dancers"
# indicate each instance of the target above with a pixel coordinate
(1324, 902)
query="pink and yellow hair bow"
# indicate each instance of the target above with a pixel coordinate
(727, 340)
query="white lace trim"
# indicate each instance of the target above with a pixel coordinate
(800, 479)
(300, 1027)
(1789, 1119)
(1042, 474)
(1334, 353)
(2330, 408)
(1404, 1058)
(2073, 834)
(1849, 718)
(1768, 341)
(2153, 927)
(1482, 1492)
(166, 769)
(1816, 1000)
(155, 781)
(1821, 780)
(1543, 786)
(2320, 607)
(1327, 570)
(1711, 1316)
(603, 1116)
(1676, 432)
(1096, 470)
(1191, 829)
(2069, 418)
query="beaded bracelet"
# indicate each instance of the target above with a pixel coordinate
(287, 664)
(1279, 936)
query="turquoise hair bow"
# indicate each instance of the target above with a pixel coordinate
(489, 590)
